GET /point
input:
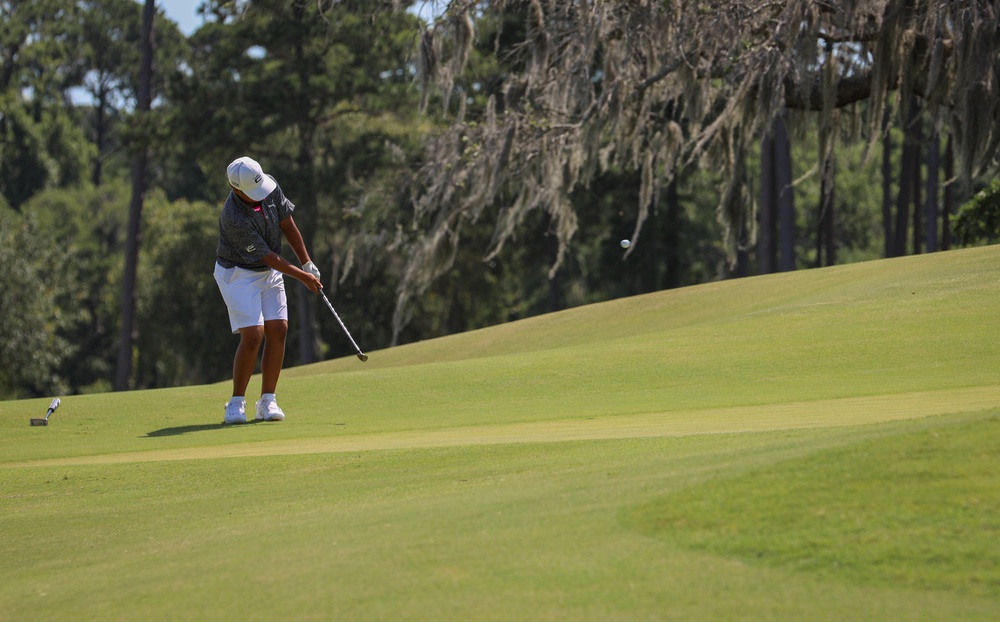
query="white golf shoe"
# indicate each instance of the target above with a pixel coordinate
(236, 411)
(268, 409)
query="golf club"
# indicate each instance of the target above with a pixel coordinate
(52, 408)
(361, 355)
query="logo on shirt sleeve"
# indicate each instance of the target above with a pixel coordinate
(251, 248)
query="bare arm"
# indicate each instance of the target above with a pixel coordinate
(276, 261)
(279, 263)
(291, 231)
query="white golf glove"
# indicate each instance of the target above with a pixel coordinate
(311, 268)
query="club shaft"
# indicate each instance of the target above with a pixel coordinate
(341, 322)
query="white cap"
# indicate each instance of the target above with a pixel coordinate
(246, 176)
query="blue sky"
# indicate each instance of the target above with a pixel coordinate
(184, 12)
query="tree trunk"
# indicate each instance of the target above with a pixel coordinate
(650, 259)
(673, 237)
(831, 229)
(931, 198)
(127, 336)
(557, 302)
(903, 205)
(918, 206)
(767, 250)
(786, 196)
(887, 183)
(825, 235)
(906, 183)
(742, 266)
(949, 197)
(99, 132)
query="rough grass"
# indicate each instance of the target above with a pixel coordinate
(817, 445)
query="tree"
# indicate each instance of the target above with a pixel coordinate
(784, 195)
(41, 143)
(123, 373)
(825, 232)
(596, 79)
(112, 58)
(30, 345)
(776, 214)
(887, 149)
(179, 309)
(931, 194)
(949, 196)
(978, 220)
(86, 224)
(111, 38)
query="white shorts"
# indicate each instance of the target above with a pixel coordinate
(252, 297)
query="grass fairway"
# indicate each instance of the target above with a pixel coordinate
(820, 445)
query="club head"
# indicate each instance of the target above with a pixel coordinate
(362, 356)
(35, 421)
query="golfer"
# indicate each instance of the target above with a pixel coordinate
(249, 269)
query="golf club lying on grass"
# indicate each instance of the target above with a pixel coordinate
(52, 408)
(361, 355)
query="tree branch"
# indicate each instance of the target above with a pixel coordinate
(850, 89)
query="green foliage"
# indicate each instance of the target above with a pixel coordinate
(111, 51)
(857, 198)
(183, 326)
(87, 225)
(33, 273)
(41, 45)
(41, 142)
(38, 153)
(25, 165)
(181, 322)
(978, 221)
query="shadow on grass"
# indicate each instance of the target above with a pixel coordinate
(185, 429)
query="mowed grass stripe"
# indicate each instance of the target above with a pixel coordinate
(795, 415)
(859, 512)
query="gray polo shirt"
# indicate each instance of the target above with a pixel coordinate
(247, 233)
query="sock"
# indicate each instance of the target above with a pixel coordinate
(267, 397)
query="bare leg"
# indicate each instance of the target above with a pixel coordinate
(274, 354)
(246, 358)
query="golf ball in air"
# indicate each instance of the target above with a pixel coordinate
(626, 244)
